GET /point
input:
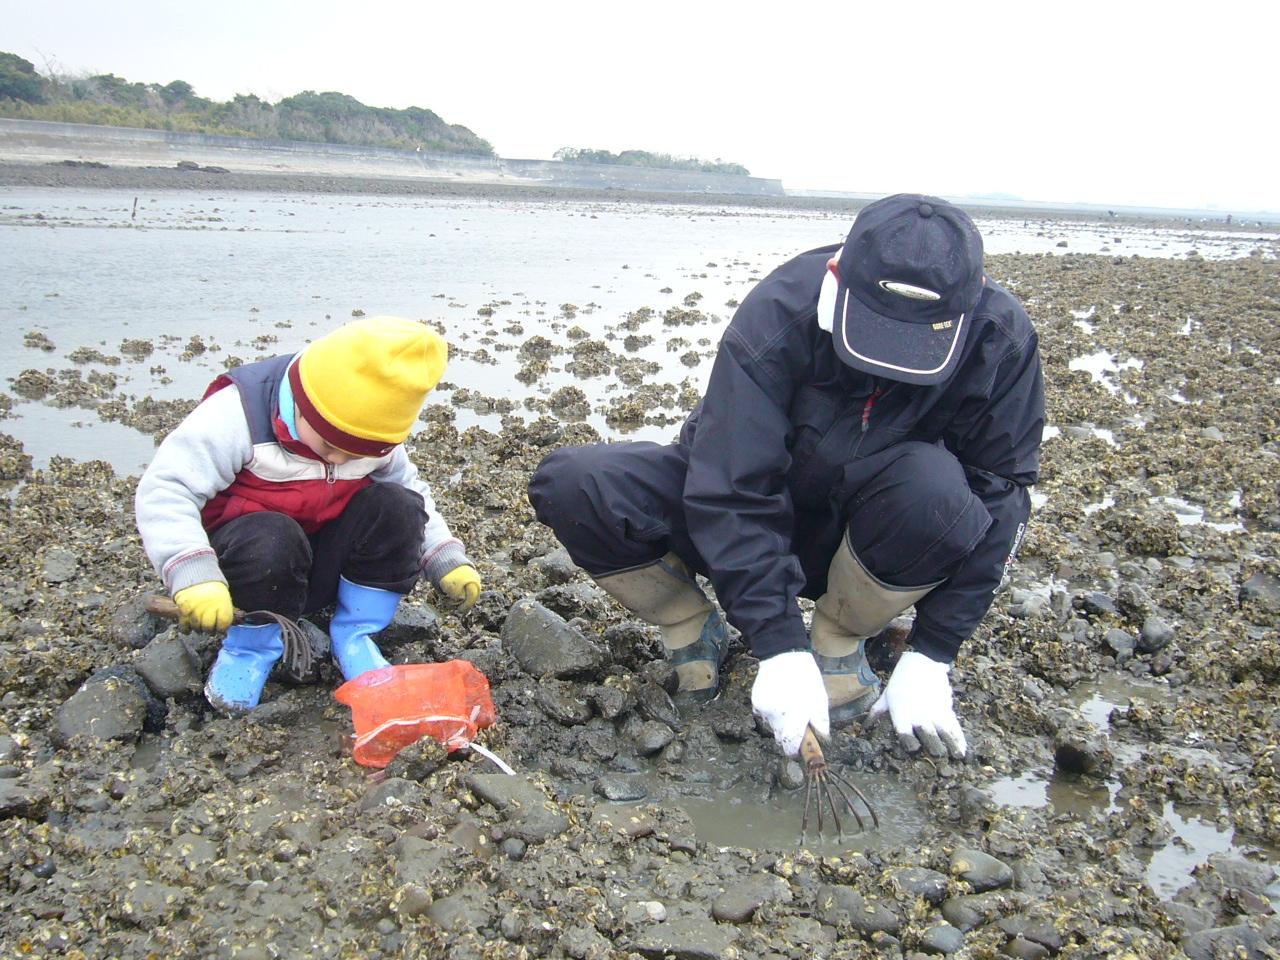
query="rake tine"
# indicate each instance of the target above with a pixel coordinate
(831, 802)
(875, 819)
(808, 795)
(839, 787)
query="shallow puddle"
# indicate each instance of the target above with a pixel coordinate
(1194, 838)
(740, 818)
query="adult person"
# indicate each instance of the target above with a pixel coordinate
(869, 431)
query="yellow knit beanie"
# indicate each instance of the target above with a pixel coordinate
(361, 386)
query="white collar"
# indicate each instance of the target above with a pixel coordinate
(827, 297)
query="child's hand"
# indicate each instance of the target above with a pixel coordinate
(205, 606)
(462, 583)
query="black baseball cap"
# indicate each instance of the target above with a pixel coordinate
(910, 275)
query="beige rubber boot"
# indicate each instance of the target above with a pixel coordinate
(856, 606)
(664, 593)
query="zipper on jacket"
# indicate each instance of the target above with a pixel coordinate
(866, 407)
(331, 472)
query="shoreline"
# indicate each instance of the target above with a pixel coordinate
(69, 175)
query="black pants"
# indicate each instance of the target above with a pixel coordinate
(271, 564)
(907, 510)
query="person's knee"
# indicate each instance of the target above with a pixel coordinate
(559, 485)
(274, 534)
(272, 545)
(399, 505)
(927, 518)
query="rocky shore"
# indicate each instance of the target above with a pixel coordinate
(136, 823)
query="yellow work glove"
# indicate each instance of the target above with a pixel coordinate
(205, 606)
(462, 584)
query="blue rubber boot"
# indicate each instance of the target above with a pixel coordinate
(361, 612)
(248, 653)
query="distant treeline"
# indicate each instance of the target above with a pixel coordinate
(318, 117)
(643, 158)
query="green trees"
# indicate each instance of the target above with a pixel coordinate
(19, 80)
(323, 117)
(643, 158)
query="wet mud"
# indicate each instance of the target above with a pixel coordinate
(1121, 700)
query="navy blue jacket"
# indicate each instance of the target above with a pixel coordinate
(782, 414)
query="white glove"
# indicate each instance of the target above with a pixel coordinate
(790, 696)
(918, 701)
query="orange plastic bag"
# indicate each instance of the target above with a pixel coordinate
(395, 706)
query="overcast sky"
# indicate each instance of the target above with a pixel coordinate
(1118, 103)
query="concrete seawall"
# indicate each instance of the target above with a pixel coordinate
(39, 141)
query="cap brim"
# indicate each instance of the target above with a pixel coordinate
(883, 347)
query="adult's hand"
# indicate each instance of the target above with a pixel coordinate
(918, 700)
(205, 606)
(462, 584)
(790, 696)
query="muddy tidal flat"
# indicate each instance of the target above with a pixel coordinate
(1121, 798)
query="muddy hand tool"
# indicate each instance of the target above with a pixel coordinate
(824, 786)
(298, 658)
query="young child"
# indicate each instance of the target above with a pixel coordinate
(288, 488)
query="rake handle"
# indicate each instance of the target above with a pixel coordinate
(811, 750)
(166, 608)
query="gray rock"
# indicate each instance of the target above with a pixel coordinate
(576, 600)
(468, 909)
(620, 789)
(412, 623)
(790, 774)
(612, 700)
(1262, 590)
(843, 906)
(1155, 635)
(60, 565)
(1236, 873)
(630, 821)
(1120, 642)
(1078, 749)
(1212, 433)
(9, 749)
(556, 567)
(1238, 942)
(1042, 932)
(1188, 918)
(654, 703)
(1099, 605)
(411, 900)
(941, 938)
(423, 864)
(132, 626)
(544, 645)
(930, 885)
(559, 700)
(169, 666)
(974, 909)
(652, 737)
(739, 901)
(394, 791)
(1024, 949)
(1134, 602)
(980, 870)
(22, 798)
(585, 943)
(110, 708)
(684, 938)
(528, 813)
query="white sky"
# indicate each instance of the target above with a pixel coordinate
(1117, 102)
